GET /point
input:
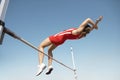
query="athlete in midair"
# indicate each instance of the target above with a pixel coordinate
(55, 40)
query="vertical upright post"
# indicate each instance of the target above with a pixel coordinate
(72, 58)
(3, 8)
(73, 61)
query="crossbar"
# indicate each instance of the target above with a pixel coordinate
(9, 32)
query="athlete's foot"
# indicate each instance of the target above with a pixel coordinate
(41, 67)
(50, 68)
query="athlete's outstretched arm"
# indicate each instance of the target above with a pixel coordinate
(85, 22)
(83, 25)
(97, 21)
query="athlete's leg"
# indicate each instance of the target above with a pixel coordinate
(41, 47)
(50, 49)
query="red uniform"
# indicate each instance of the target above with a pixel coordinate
(61, 37)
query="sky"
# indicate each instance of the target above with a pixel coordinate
(97, 56)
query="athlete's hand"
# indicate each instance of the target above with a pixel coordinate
(99, 19)
(96, 27)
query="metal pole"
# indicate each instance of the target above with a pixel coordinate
(73, 61)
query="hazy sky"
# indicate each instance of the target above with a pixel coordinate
(97, 57)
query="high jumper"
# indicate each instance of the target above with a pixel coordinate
(54, 41)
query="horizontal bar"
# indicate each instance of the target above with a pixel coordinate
(9, 32)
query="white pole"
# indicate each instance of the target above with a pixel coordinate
(72, 58)
(3, 9)
(73, 61)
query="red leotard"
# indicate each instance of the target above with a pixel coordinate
(61, 37)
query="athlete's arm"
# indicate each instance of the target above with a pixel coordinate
(82, 26)
(97, 21)
(84, 23)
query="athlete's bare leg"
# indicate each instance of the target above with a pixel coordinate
(41, 47)
(50, 49)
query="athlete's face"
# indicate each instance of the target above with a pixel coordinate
(87, 30)
(84, 34)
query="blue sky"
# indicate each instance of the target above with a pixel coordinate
(97, 57)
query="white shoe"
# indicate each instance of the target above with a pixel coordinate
(50, 68)
(41, 67)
